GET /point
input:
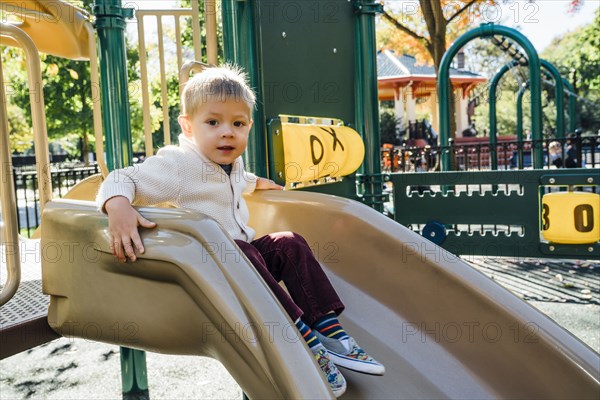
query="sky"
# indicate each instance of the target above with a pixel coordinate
(540, 21)
(543, 20)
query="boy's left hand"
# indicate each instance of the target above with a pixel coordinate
(267, 184)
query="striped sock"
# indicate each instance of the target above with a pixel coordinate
(328, 325)
(307, 333)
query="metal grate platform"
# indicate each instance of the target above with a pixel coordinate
(28, 303)
(23, 319)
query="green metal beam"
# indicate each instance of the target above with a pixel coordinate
(553, 73)
(561, 82)
(492, 111)
(572, 108)
(522, 90)
(241, 40)
(559, 97)
(110, 28)
(520, 95)
(488, 30)
(367, 105)
(134, 374)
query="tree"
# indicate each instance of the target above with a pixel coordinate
(427, 30)
(430, 27)
(577, 56)
(67, 97)
(388, 126)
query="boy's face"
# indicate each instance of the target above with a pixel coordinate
(219, 129)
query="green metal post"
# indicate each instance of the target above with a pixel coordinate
(559, 97)
(522, 90)
(487, 30)
(110, 27)
(241, 40)
(367, 104)
(492, 102)
(559, 93)
(559, 109)
(133, 374)
(520, 124)
(572, 108)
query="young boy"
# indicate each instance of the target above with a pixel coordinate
(206, 173)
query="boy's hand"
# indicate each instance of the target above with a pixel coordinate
(267, 184)
(123, 222)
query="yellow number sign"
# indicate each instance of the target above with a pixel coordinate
(316, 151)
(571, 217)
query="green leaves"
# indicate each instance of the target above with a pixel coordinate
(577, 56)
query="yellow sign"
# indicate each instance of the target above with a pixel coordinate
(571, 217)
(317, 151)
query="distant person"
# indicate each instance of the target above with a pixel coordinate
(571, 152)
(470, 131)
(555, 154)
(431, 134)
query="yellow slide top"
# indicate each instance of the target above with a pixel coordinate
(56, 27)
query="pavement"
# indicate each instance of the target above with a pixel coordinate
(82, 369)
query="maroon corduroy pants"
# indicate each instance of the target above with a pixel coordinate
(285, 256)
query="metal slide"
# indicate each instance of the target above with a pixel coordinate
(442, 329)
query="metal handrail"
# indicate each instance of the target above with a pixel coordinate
(210, 14)
(96, 103)
(9, 234)
(38, 116)
(211, 49)
(188, 67)
(42, 156)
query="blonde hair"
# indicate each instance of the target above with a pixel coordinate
(224, 83)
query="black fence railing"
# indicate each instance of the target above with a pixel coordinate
(577, 152)
(27, 195)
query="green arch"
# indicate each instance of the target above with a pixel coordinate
(492, 111)
(487, 30)
(571, 110)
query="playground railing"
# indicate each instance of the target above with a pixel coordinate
(585, 153)
(160, 17)
(27, 199)
(10, 230)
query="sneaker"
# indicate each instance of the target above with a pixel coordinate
(336, 380)
(348, 354)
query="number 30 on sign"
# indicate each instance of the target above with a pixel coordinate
(571, 217)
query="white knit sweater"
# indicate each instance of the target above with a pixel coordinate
(183, 177)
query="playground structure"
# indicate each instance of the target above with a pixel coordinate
(389, 277)
(401, 80)
(479, 223)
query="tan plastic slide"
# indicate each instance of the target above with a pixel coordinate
(56, 27)
(442, 329)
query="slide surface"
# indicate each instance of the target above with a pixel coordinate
(442, 329)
